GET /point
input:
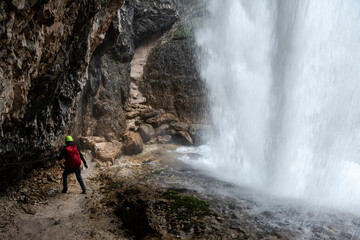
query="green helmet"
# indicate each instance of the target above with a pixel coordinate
(69, 139)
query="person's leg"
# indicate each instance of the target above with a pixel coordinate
(65, 175)
(80, 180)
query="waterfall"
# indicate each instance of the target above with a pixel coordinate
(284, 83)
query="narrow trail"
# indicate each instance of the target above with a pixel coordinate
(64, 216)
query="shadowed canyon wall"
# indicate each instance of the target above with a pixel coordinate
(101, 108)
(45, 50)
(66, 69)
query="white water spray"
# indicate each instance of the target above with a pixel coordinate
(284, 81)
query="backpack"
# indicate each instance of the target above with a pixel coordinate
(72, 157)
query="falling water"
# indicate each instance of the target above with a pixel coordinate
(284, 81)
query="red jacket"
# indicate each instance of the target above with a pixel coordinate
(72, 155)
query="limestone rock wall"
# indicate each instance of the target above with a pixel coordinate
(105, 95)
(65, 69)
(44, 55)
(100, 108)
(171, 79)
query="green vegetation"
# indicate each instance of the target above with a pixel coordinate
(115, 61)
(187, 206)
(195, 20)
(183, 32)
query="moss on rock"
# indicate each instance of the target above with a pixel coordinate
(186, 206)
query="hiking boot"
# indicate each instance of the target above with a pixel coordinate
(64, 191)
(83, 192)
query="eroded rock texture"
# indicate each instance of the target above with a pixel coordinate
(45, 50)
(171, 79)
(66, 69)
(101, 106)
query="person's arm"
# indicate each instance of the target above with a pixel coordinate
(61, 156)
(83, 159)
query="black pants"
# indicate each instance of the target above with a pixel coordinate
(77, 172)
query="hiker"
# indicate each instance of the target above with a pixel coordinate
(73, 158)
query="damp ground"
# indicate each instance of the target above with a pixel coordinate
(154, 195)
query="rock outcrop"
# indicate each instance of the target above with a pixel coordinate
(89, 142)
(107, 151)
(77, 67)
(146, 132)
(100, 109)
(133, 143)
(45, 51)
(183, 138)
(109, 87)
(171, 80)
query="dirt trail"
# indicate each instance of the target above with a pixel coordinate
(65, 216)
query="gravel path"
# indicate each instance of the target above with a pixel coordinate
(64, 216)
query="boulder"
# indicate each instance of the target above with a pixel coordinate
(148, 113)
(141, 107)
(89, 142)
(162, 119)
(162, 130)
(182, 138)
(172, 131)
(138, 121)
(198, 132)
(164, 139)
(131, 125)
(133, 143)
(131, 115)
(180, 126)
(107, 151)
(146, 132)
(152, 141)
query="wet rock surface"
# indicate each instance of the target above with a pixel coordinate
(147, 187)
(155, 196)
(133, 143)
(199, 132)
(180, 126)
(183, 138)
(146, 132)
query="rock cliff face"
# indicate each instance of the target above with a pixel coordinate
(68, 67)
(171, 79)
(45, 51)
(101, 106)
